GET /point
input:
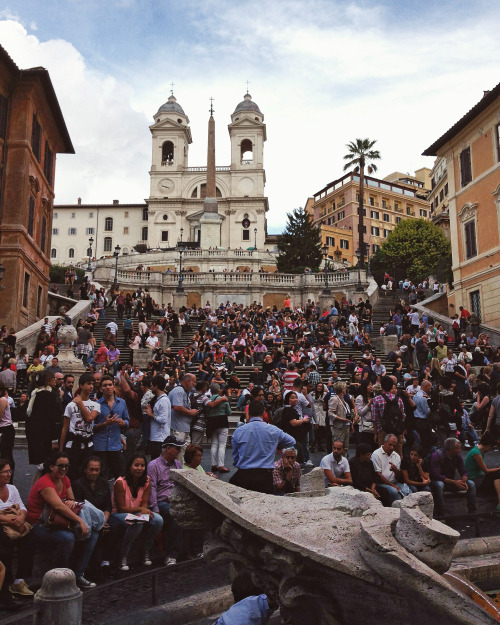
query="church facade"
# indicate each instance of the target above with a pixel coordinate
(178, 193)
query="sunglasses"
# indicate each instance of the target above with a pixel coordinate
(62, 467)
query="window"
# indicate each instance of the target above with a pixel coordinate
(387, 233)
(43, 234)
(465, 167)
(125, 230)
(55, 230)
(497, 137)
(164, 235)
(423, 213)
(470, 239)
(387, 218)
(330, 241)
(89, 231)
(53, 253)
(144, 233)
(364, 229)
(246, 152)
(385, 204)
(396, 206)
(26, 289)
(340, 215)
(333, 206)
(108, 224)
(71, 252)
(31, 216)
(374, 214)
(441, 194)
(167, 153)
(48, 163)
(73, 215)
(38, 301)
(375, 248)
(126, 214)
(475, 304)
(54, 216)
(144, 214)
(344, 244)
(72, 231)
(398, 219)
(36, 138)
(91, 216)
(246, 235)
(446, 189)
(375, 231)
(371, 201)
(409, 209)
(108, 244)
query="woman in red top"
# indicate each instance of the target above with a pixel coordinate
(54, 489)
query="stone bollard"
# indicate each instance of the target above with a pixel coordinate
(59, 601)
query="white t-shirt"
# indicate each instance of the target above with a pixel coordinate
(14, 497)
(339, 469)
(77, 424)
(381, 460)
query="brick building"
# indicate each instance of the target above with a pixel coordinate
(32, 132)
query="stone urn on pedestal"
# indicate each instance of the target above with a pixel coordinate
(68, 362)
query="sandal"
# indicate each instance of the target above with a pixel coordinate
(223, 469)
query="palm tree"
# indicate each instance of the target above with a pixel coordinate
(359, 153)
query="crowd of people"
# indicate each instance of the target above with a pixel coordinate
(105, 444)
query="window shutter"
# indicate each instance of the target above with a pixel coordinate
(465, 166)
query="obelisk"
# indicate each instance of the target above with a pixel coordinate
(210, 221)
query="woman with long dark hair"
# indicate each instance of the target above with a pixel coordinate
(130, 497)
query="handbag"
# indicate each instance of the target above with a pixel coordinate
(52, 519)
(11, 532)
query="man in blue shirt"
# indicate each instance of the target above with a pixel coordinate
(254, 449)
(107, 429)
(182, 413)
(421, 423)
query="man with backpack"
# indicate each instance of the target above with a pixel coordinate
(388, 414)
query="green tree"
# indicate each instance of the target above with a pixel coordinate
(415, 249)
(300, 244)
(359, 156)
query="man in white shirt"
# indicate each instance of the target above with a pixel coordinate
(152, 341)
(336, 467)
(387, 465)
(414, 321)
(113, 327)
(413, 388)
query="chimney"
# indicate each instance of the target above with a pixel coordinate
(485, 93)
(116, 201)
(79, 201)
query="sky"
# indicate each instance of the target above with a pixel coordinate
(323, 72)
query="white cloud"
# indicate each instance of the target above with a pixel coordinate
(323, 73)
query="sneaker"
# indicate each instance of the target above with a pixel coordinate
(170, 561)
(122, 564)
(21, 588)
(81, 582)
(147, 559)
(309, 464)
(105, 563)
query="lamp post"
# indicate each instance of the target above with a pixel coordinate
(255, 238)
(359, 287)
(180, 247)
(115, 254)
(324, 249)
(91, 243)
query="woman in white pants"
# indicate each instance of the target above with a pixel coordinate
(218, 427)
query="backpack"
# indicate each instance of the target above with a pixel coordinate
(277, 417)
(392, 421)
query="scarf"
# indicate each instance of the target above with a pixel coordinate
(33, 397)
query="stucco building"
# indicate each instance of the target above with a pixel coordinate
(32, 132)
(438, 196)
(385, 204)
(471, 149)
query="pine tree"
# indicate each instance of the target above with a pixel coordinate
(300, 244)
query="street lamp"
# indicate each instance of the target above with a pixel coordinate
(91, 243)
(324, 249)
(115, 254)
(255, 238)
(358, 256)
(181, 248)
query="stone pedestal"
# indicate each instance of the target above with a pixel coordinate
(179, 300)
(326, 301)
(386, 344)
(68, 362)
(141, 357)
(210, 228)
(59, 601)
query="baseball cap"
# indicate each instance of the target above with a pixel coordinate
(172, 441)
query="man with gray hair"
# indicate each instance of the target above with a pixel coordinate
(182, 413)
(446, 465)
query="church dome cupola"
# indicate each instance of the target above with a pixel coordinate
(247, 104)
(171, 106)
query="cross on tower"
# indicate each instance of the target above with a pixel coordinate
(211, 106)
(171, 88)
(247, 83)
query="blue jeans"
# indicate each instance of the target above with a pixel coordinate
(172, 532)
(132, 532)
(438, 489)
(420, 489)
(66, 548)
(389, 493)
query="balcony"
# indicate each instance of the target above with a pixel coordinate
(222, 168)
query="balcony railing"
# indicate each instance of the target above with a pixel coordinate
(222, 168)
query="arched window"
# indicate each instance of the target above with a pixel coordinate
(71, 252)
(145, 214)
(53, 253)
(108, 224)
(246, 152)
(108, 244)
(144, 234)
(167, 153)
